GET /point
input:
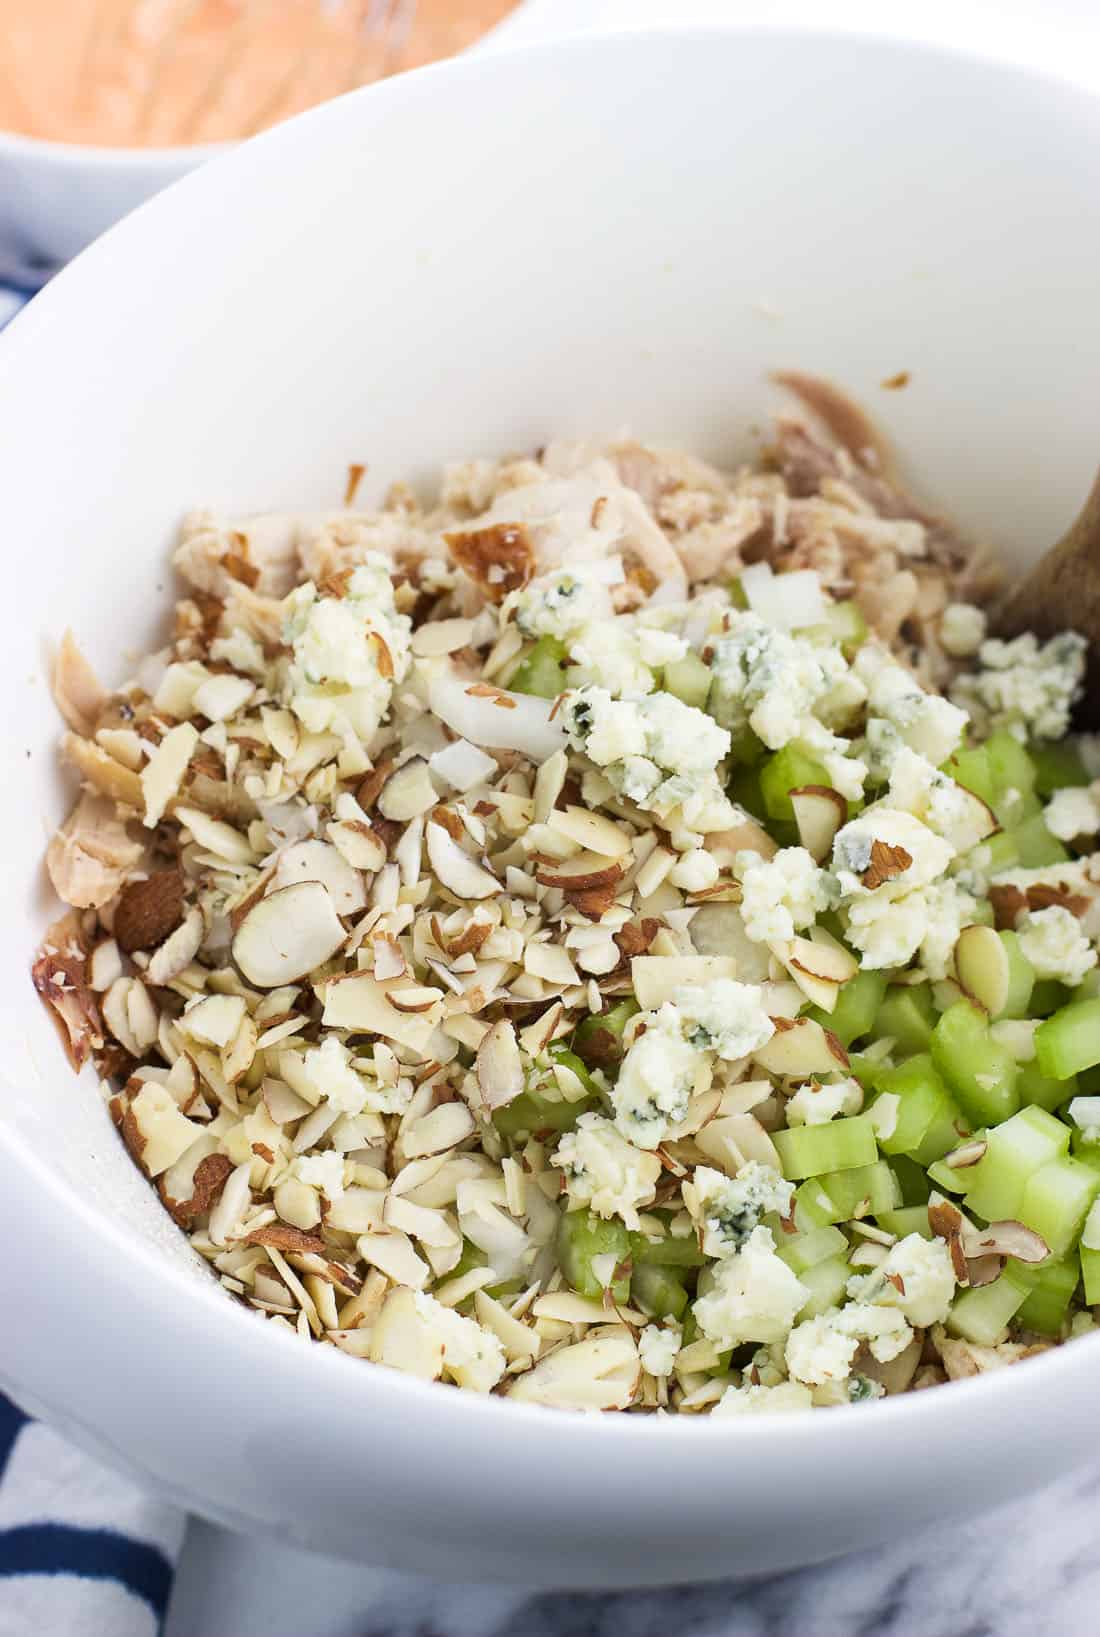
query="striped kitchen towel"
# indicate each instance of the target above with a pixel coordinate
(83, 1552)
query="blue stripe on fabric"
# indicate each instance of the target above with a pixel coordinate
(93, 1554)
(12, 1421)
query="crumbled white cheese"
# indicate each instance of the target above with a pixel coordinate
(472, 1356)
(821, 1350)
(782, 895)
(694, 870)
(774, 683)
(601, 1169)
(343, 648)
(724, 1016)
(1074, 812)
(1016, 1035)
(728, 1209)
(917, 1277)
(889, 931)
(814, 1104)
(754, 1296)
(1052, 940)
(558, 604)
(919, 788)
(1024, 686)
(929, 854)
(757, 1399)
(326, 1072)
(1085, 1114)
(655, 750)
(660, 1074)
(900, 712)
(658, 1347)
(962, 629)
(323, 1171)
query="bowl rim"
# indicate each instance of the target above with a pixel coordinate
(170, 1286)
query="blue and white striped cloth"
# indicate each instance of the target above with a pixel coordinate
(83, 1552)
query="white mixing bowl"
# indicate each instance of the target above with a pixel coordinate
(628, 230)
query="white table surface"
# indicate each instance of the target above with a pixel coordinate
(1031, 1569)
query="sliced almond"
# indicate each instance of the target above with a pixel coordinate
(148, 911)
(581, 873)
(887, 863)
(974, 824)
(499, 1067)
(981, 966)
(968, 1154)
(499, 557)
(358, 844)
(408, 792)
(321, 861)
(288, 935)
(1008, 1238)
(402, 1340)
(414, 997)
(799, 1048)
(594, 831)
(819, 812)
(359, 1002)
(657, 977)
(103, 772)
(455, 869)
(179, 949)
(820, 970)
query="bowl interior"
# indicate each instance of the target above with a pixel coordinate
(621, 233)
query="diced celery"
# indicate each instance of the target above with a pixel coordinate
(912, 1179)
(805, 1250)
(827, 1284)
(970, 767)
(689, 679)
(540, 672)
(532, 1111)
(809, 1150)
(981, 1315)
(582, 1235)
(1038, 1089)
(658, 1291)
(908, 1016)
(928, 1120)
(813, 1208)
(847, 626)
(1057, 1200)
(1015, 1151)
(1009, 763)
(905, 1220)
(1090, 1255)
(981, 1073)
(1057, 767)
(857, 1005)
(785, 770)
(744, 789)
(674, 1251)
(599, 1039)
(1070, 1040)
(1021, 978)
(1048, 1290)
(863, 1191)
(1035, 845)
(948, 1180)
(865, 1068)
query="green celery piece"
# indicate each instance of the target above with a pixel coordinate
(946, 1180)
(844, 625)
(1090, 1255)
(673, 1251)
(786, 770)
(928, 1119)
(744, 789)
(737, 593)
(866, 1069)
(813, 1208)
(540, 672)
(1057, 1199)
(827, 1284)
(1010, 763)
(1088, 1081)
(658, 1291)
(970, 766)
(598, 1041)
(1021, 978)
(1015, 1151)
(809, 1150)
(912, 1179)
(583, 1235)
(857, 1005)
(801, 1251)
(1048, 1290)
(1070, 1040)
(905, 1220)
(1035, 845)
(472, 1257)
(1049, 996)
(1057, 767)
(1038, 1090)
(863, 1191)
(908, 1016)
(689, 680)
(999, 852)
(1087, 1152)
(535, 1110)
(981, 1315)
(980, 1073)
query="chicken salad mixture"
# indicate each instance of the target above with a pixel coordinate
(622, 936)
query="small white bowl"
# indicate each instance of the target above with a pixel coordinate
(624, 230)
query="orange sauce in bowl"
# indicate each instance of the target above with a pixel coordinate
(159, 73)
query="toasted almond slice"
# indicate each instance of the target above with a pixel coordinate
(414, 997)
(732, 1140)
(656, 977)
(1008, 1238)
(408, 792)
(389, 957)
(433, 1134)
(580, 873)
(103, 772)
(402, 1340)
(595, 831)
(356, 842)
(392, 1252)
(358, 1001)
(599, 1373)
(442, 637)
(746, 836)
(974, 825)
(215, 836)
(981, 966)
(455, 869)
(178, 950)
(551, 963)
(149, 910)
(162, 775)
(499, 1067)
(799, 1048)
(819, 969)
(969, 1153)
(321, 861)
(288, 935)
(819, 812)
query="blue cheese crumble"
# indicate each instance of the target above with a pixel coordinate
(604, 1171)
(726, 1210)
(753, 1296)
(1026, 686)
(782, 895)
(1052, 940)
(725, 1017)
(660, 1074)
(655, 750)
(347, 652)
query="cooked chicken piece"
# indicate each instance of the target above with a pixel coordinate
(91, 855)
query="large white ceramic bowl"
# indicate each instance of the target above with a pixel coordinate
(628, 230)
